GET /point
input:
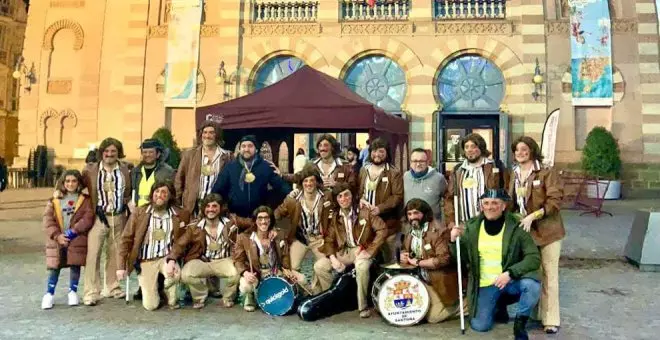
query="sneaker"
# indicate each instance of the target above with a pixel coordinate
(73, 298)
(365, 313)
(47, 301)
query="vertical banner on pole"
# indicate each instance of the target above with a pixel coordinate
(549, 142)
(591, 53)
(182, 53)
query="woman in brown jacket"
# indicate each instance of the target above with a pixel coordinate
(66, 222)
(537, 194)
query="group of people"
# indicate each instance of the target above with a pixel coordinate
(210, 219)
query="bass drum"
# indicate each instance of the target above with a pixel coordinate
(276, 296)
(401, 299)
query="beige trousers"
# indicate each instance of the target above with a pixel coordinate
(548, 308)
(92, 276)
(248, 288)
(148, 280)
(323, 271)
(298, 251)
(437, 311)
(196, 272)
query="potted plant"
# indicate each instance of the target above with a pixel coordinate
(601, 159)
(172, 151)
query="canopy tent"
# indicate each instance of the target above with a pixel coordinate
(306, 101)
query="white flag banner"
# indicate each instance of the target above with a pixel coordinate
(549, 142)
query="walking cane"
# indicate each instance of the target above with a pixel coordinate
(460, 265)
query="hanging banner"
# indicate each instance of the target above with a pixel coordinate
(591, 53)
(182, 53)
(549, 141)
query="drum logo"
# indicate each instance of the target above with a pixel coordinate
(403, 296)
(276, 296)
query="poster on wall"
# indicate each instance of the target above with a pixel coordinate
(182, 53)
(591, 53)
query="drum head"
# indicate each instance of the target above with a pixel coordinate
(275, 296)
(397, 266)
(403, 300)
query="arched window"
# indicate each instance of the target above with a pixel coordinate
(470, 83)
(378, 79)
(276, 69)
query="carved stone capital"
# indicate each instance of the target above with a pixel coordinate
(160, 31)
(557, 27)
(624, 26)
(377, 28)
(503, 27)
(562, 27)
(284, 29)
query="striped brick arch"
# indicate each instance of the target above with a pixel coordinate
(262, 52)
(500, 54)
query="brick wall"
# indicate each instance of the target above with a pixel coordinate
(639, 180)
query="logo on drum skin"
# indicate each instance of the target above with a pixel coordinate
(275, 297)
(403, 295)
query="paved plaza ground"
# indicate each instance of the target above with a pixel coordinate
(602, 297)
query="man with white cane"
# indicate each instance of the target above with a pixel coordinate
(503, 263)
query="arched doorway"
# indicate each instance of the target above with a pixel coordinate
(470, 90)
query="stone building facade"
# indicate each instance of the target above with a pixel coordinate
(13, 17)
(451, 67)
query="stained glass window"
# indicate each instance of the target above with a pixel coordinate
(470, 83)
(378, 79)
(276, 69)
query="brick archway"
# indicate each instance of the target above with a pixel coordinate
(60, 25)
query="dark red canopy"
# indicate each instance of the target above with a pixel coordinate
(307, 99)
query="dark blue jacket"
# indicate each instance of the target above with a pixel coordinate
(243, 199)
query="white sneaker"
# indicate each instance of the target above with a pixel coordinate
(73, 298)
(47, 301)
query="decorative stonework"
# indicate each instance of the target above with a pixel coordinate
(562, 27)
(67, 3)
(474, 27)
(284, 29)
(52, 113)
(160, 31)
(59, 86)
(64, 24)
(385, 28)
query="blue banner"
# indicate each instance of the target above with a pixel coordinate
(591, 53)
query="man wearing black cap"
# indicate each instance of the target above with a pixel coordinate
(244, 181)
(503, 263)
(151, 169)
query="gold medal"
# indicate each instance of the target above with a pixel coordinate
(249, 177)
(372, 186)
(521, 192)
(158, 235)
(469, 183)
(109, 186)
(214, 246)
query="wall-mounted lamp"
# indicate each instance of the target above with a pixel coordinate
(20, 69)
(221, 77)
(538, 82)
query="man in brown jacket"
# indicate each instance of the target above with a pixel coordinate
(427, 246)
(260, 254)
(200, 167)
(381, 193)
(470, 179)
(331, 167)
(109, 185)
(149, 235)
(206, 248)
(354, 237)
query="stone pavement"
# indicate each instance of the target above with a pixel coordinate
(602, 297)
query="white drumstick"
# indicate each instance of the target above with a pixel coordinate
(460, 274)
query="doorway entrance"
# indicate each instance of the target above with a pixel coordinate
(453, 127)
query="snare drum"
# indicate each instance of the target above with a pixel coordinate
(400, 297)
(276, 296)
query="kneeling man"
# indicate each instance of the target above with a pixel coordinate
(148, 237)
(206, 249)
(354, 237)
(260, 254)
(503, 263)
(426, 246)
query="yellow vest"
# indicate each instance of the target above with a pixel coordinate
(145, 187)
(490, 256)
